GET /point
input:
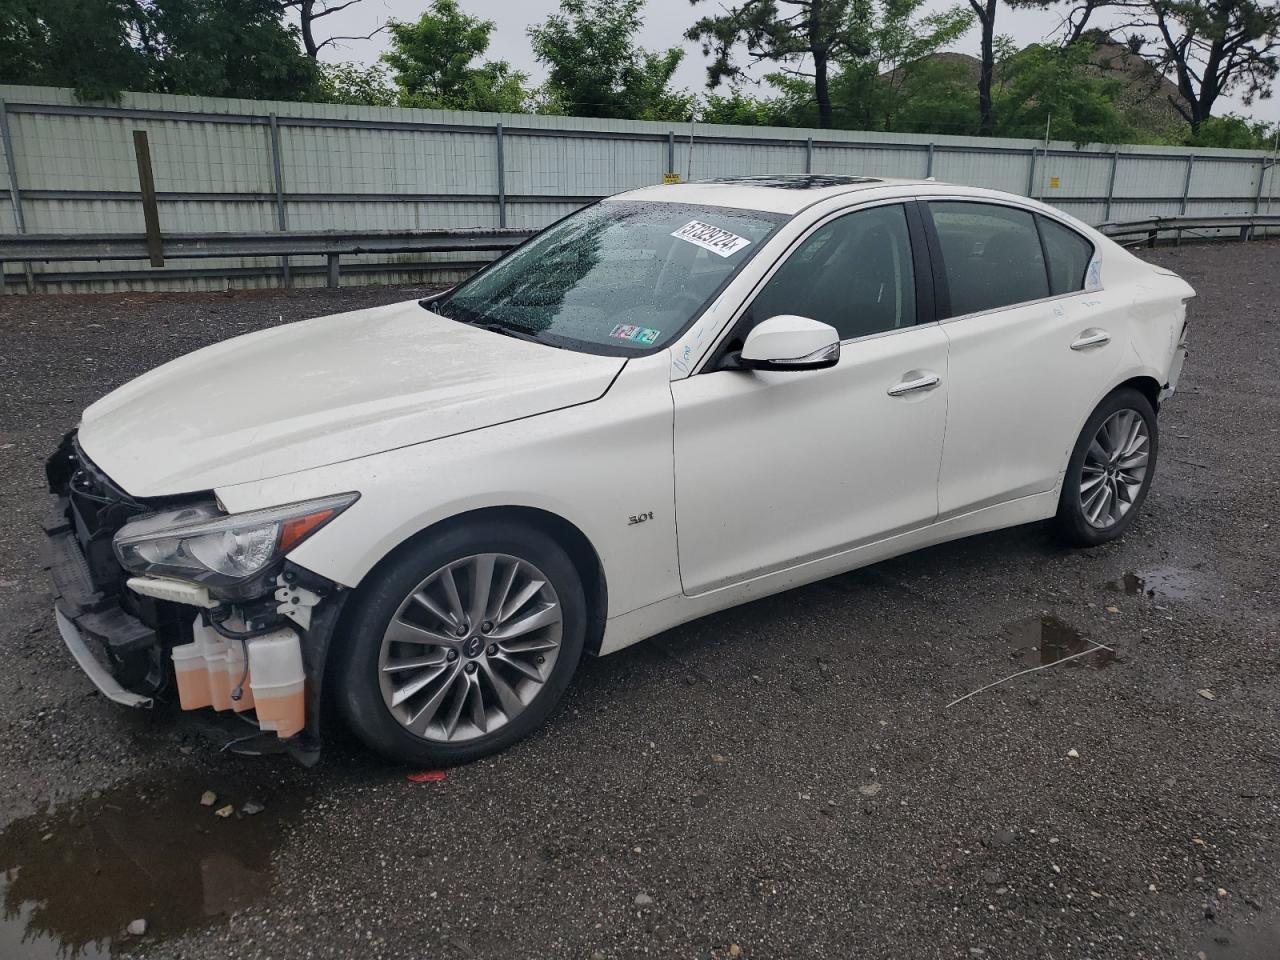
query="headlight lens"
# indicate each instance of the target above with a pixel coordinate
(201, 543)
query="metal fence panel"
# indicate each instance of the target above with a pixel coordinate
(998, 171)
(1151, 178)
(1213, 178)
(579, 165)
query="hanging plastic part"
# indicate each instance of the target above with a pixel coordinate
(295, 601)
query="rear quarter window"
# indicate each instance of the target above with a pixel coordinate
(1068, 255)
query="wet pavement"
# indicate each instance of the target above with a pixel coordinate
(1049, 640)
(74, 878)
(924, 759)
(1163, 583)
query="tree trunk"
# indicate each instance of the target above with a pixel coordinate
(1210, 84)
(820, 89)
(1201, 110)
(306, 13)
(986, 73)
(820, 50)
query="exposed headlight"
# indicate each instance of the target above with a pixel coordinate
(202, 544)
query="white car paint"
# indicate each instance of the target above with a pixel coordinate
(864, 465)
(308, 394)
(755, 481)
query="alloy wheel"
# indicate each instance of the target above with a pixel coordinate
(1114, 468)
(470, 647)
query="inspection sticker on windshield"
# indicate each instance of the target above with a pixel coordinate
(720, 242)
(641, 335)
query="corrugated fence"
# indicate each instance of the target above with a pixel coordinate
(242, 165)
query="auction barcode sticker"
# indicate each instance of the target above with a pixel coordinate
(720, 242)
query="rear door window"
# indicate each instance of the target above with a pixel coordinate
(1069, 255)
(991, 254)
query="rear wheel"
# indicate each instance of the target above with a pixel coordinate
(463, 645)
(1110, 470)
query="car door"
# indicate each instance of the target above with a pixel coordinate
(777, 468)
(1029, 349)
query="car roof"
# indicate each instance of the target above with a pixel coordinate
(776, 193)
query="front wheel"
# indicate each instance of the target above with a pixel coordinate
(463, 644)
(1110, 470)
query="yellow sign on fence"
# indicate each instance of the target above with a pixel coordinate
(1054, 183)
(671, 178)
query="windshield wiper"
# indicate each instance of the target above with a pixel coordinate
(472, 320)
(505, 330)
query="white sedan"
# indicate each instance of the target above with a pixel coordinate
(668, 403)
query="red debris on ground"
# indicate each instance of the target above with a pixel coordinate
(427, 776)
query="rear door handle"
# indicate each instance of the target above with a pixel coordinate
(1090, 338)
(926, 382)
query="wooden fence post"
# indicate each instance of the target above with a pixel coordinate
(150, 212)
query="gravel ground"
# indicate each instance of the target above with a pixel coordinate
(782, 780)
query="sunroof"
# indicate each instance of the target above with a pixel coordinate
(797, 181)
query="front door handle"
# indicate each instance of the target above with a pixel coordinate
(923, 382)
(1090, 338)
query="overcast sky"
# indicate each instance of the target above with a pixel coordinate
(665, 22)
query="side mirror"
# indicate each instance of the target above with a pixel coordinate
(790, 343)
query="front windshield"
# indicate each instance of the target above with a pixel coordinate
(619, 277)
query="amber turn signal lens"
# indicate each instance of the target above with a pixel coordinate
(293, 532)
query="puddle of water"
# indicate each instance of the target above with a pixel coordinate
(1170, 583)
(72, 880)
(1254, 943)
(1050, 640)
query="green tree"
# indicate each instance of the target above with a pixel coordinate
(92, 46)
(24, 41)
(935, 95)
(872, 89)
(234, 48)
(595, 68)
(229, 48)
(1208, 47)
(892, 76)
(1214, 47)
(1236, 133)
(790, 105)
(434, 63)
(1048, 85)
(354, 84)
(807, 33)
(737, 107)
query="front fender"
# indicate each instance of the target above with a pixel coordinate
(606, 467)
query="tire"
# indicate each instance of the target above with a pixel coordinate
(464, 671)
(1088, 515)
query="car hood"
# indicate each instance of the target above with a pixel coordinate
(321, 391)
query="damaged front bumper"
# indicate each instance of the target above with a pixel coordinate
(133, 635)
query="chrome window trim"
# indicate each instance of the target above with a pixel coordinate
(1017, 306)
(1042, 209)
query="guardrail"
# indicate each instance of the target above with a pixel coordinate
(1149, 230)
(332, 245)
